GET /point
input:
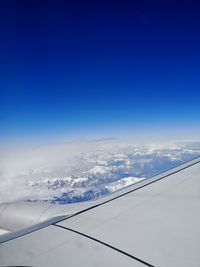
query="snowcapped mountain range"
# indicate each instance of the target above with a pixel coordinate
(84, 170)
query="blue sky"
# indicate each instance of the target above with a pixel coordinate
(95, 69)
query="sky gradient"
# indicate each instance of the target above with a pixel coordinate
(95, 69)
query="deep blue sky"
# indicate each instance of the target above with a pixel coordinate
(97, 68)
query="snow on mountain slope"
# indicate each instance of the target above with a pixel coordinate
(112, 187)
(84, 170)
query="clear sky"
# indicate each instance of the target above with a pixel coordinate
(73, 69)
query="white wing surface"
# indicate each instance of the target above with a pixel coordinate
(152, 223)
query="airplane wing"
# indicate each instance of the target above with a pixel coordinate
(155, 222)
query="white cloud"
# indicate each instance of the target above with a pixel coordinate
(49, 171)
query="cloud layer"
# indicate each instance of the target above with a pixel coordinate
(84, 170)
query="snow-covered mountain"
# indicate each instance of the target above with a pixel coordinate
(84, 170)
